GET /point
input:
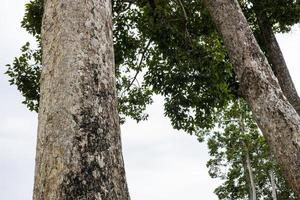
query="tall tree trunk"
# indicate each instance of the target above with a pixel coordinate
(275, 116)
(78, 148)
(247, 179)
(247, 165)
(277, 61)
(272, 179)
(251, 178)
(273, 184)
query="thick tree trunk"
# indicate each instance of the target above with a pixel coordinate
(78, 148)
(277, 61)
(275, 116)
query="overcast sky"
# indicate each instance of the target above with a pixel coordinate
(161, 163)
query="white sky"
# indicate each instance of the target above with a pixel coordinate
(161, 163)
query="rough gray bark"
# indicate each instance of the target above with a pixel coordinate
(78, 148)
(275, 116)
(277, 61)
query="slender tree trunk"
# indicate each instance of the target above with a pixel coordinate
(247, 179)
(247, 164)
(272, 180)
(275, 116)
(273, 185)
(251, 178)
(277, 61)
(78, 148)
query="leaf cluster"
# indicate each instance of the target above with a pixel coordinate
(25, 73)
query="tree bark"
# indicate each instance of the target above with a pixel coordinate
(251, 193)
(277, 61)
(78, 147)
(247, 165)
(275, 116)
(273, 185)
(251, 178)
(272, 180)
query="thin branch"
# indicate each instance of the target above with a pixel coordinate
(138, 68)
(183, 10)
(185, 16)
(140, 63)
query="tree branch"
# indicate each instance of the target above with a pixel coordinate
(140, 63)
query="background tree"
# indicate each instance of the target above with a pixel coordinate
(241, 157)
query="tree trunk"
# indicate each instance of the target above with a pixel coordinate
(78, 148)
(275, 116)
(247, 164)
(251, 178)
(272, 179)
(277, 61)
(273, 185)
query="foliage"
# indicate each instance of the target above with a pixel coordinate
(25, 74)
(32, 20)
(170, 48)
(25, 70)
(132, 51)
(191, 70)
(282, 15)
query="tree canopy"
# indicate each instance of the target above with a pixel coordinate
(169, 48)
